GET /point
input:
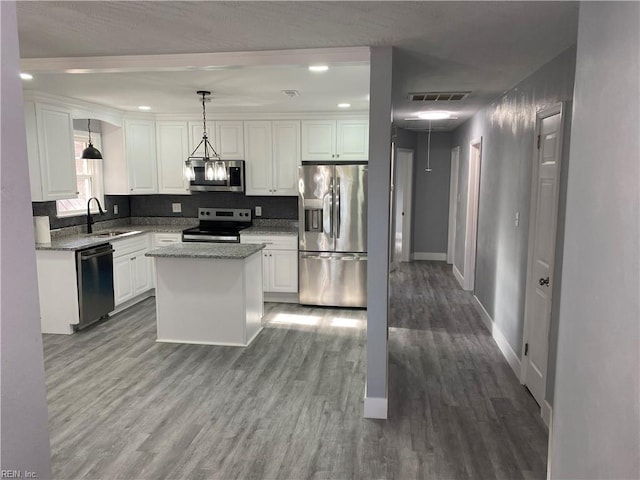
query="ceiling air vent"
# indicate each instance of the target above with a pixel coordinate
(437, 96)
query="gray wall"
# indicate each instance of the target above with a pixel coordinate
(378, 220)
(431, 194)
(507, 128)
(24, 438)
(596, 419)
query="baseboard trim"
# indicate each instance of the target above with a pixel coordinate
(512, 359)
(132, 301)
(459, 277)
(546, 411)
(281, 297)
(437, 256)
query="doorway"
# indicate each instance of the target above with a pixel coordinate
(453, 204)
(541, 257)
(402, 187)
(473, 200)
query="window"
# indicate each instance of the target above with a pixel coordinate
(89, 177)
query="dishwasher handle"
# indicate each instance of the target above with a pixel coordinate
(96, 252)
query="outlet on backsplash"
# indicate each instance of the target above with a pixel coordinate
(258, 211)
(176, 207)
(115, 209)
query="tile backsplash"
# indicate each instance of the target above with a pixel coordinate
(162, 206)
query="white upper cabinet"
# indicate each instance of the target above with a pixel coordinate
(272, 154)
(229, 140)
(335, 140)
(195, 136)
(286, 157)
(140, 147)
(173, 149)
(258, 158)
(50, 149)
(318, 140)
(352, 140)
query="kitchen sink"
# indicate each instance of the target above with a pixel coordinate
(114, 233)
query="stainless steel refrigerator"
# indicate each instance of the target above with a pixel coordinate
(332, 210)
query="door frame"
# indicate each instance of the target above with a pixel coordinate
(407, 202)
(473, 202)
(559, 108)
(453, 203)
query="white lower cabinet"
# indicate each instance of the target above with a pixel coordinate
(279, 261)
(132, 271)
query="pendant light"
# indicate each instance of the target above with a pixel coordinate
(428, 169)
(214, 166)
(91, 152)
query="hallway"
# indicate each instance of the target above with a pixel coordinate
(451, 390)
(122, 406)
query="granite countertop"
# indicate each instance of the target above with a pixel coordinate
(270, 230)
(228, 251)
(86, 240)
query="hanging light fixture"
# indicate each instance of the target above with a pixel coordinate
(214, 166)
(91, 152)
(428, 169)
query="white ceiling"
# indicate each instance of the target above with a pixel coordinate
(483, 47)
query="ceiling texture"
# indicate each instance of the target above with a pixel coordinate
(481, 47)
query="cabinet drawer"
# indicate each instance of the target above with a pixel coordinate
(273, 242)
(128, 246)
(162, 239)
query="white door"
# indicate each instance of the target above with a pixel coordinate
(259, 158)
(283, 271)
(141, 273)
(403, 192)
(122, 279)
(453, 203)
(473, 200)
(542, 241)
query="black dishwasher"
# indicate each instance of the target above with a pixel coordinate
(94, 267)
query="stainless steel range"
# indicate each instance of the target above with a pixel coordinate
(220, 225)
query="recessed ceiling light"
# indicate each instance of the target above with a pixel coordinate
(26, 76)
(318, 68)
(344, 105)
(144, 107)
(434, 115)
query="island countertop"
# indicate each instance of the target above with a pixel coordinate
(228, 251)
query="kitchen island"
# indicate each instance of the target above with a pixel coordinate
(208, 293)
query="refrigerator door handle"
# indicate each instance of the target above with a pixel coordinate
(337, 206)
(332, 206)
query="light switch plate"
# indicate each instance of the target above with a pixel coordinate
(176, 207)
(258, 211)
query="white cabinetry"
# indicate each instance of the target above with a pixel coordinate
(230, 140)
(173, 145)
(279, 261)
(272, 153)
(337, 140)
(195, 136)
(50, 149)
(140, 144)
(131, 269)
(162, 239)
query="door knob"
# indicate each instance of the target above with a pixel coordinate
(544, 281)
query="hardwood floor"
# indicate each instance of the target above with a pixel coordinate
(122, 406)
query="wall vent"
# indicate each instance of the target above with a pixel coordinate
(291, 93)
(438, 96)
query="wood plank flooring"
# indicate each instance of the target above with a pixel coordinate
(122, 406)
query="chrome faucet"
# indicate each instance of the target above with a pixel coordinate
(89, 218)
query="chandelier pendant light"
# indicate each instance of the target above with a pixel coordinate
(215, 168)
(91, 152)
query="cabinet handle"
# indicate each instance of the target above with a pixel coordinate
(133, 258)
(337, 155)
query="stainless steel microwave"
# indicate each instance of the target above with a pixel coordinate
(233, 183)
